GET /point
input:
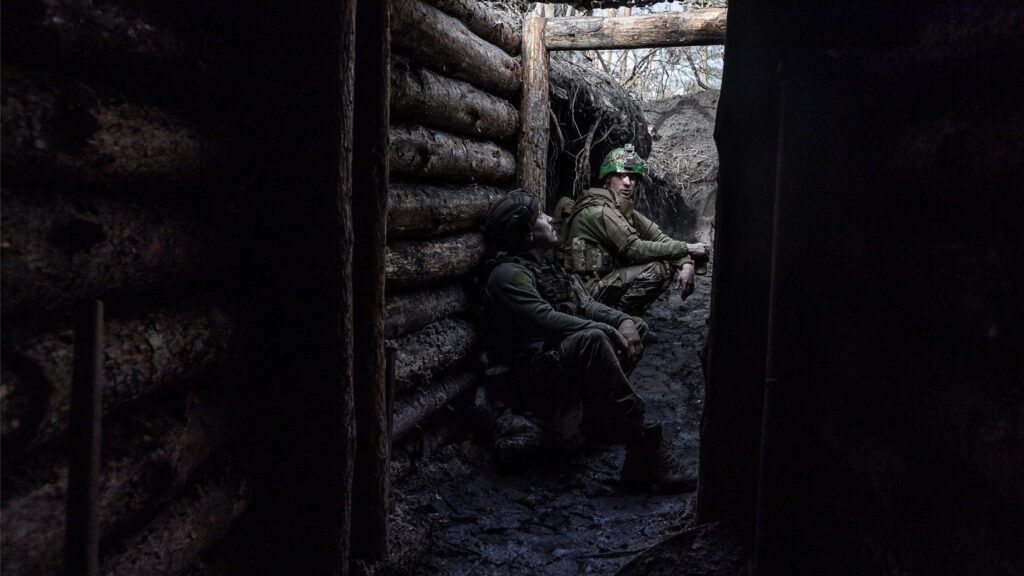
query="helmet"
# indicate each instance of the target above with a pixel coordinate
(623, 159)
(508, 226)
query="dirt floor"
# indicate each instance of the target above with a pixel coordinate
(456, 515)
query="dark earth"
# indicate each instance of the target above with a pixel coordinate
(454, 514)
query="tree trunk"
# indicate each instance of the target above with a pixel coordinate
(58, 249)
(60, 131)
(144, 353)
(409, 263)
(445, 44)
(419, 95)
(413, 310)
(419, 210)
(371, 489)
(422, 355)
(694, 28)
(419, 404)
(531, 162)
(490, 24)
(418, 152)
(173, 541)
(146, 457)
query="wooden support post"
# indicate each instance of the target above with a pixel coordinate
(371, 486)
(695, 28)
(535, 109)
(82, 536)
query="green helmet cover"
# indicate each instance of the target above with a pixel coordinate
(623, 159)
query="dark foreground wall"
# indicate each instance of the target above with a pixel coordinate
(893, 410)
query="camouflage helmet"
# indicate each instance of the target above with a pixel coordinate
(623, 159)
(508, 226)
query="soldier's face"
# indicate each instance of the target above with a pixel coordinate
(544, 234)
(622, 184)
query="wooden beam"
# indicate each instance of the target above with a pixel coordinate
(418, 152)
(695, 28)
(485, 22)
(82, 529)
(371, 486)
(411, 311)
(410, 263)
(421, 96)
(425, 210)
(444, 43)
(535, 109)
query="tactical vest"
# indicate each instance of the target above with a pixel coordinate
(580, 256)
(554, 284)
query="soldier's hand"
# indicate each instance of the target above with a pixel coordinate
(684, 281)
(634, 345)
(699, 249)
(621, 345)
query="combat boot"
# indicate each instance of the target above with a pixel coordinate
(648, 462)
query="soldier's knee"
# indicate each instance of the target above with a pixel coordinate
(586, 342)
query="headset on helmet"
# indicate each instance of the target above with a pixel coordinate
(509, 222)
(621, 160)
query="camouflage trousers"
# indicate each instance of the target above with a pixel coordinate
(582, 382)
(632, 288)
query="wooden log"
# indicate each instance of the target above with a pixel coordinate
(85, 416)
(144, 353)
(445, 44)
(146, 457)
(422, 355)
(371, 487)
(57, 249)
(421, 210)
(411, 311)
(492, 25)
(173, 541)
(118, 41)
(420, 404)
(61, 131)
(693, 28)
(418, 152)
(532, 158)
(420, 95)
(410, 263)
(422, 444)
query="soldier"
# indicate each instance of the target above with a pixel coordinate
(557, 344)
(619, 255)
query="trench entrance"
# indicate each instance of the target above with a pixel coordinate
(455, 514)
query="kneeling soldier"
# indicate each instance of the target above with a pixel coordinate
(619, 255)
(558, 344)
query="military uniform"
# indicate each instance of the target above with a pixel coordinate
(554, 341)
(620, 256)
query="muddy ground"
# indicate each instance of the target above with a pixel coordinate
(455, 515)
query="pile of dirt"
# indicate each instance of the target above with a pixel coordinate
(683, 165)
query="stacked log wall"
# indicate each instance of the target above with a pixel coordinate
(455, 79)
(124, 178)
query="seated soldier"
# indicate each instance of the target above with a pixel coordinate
(620, 256)
(558, 344)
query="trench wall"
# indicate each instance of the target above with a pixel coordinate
(455, 78)
(125, 170)
(140, 146)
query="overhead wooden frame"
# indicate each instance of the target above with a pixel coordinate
(541, 35)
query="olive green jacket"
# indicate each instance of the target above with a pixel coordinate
(601, 218)
(519, 321)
